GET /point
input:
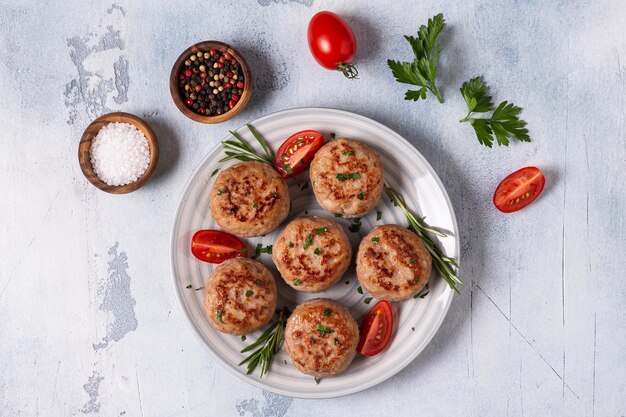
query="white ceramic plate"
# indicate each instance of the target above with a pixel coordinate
(417, 319)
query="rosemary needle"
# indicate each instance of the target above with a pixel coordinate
(445, 265)
(240, 149)
(266, 346)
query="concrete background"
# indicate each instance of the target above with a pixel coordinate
(88, 319)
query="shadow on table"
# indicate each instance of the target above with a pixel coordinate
(169, 146)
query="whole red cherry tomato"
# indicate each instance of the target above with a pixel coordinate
(332, 43)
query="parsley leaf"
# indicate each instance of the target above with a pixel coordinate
(423, 70)
(504, 122)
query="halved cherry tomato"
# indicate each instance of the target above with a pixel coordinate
(214, 246)
(296, 153)
(376, 329)
(519, 189)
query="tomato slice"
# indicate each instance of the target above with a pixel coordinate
(214, 246)
(519, 189)
(296, 153)
(376, 329)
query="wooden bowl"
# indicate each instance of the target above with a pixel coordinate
(205, 47)
(85, 146)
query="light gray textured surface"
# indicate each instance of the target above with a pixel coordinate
(88, 318)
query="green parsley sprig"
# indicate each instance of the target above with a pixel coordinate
(267, 345)
(445, 265)
(241, 149)
(423, 70)
(504, 122)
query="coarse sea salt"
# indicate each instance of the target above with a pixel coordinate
(119, 154)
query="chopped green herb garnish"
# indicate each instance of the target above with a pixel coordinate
(304, 186)
(356, 225)
(198, 289)
(297, 282)
(332, 135)
(347, 282)
(188, 286)
(291, 245)
(359, 290)
(375, 240)
(249, 293)
(317, 251)
(361, 196)
(367, 300)
(327, 311)
(379, 215)
(412, 329)
(255, 205)
(318, 379)
(257, 283)
(348, 153)
(276, 195)
(323, 329)
(350, 176)
(321, 230)
(260, 249)
(306, 211)
(243, 337)
(287, 169)
(302, 161)
(243, 251)
(412, 260)
(338, 215)
(214, 172)
(308, 242)
(264, 307)
(221, 191)
(336, 341)
(218, 314)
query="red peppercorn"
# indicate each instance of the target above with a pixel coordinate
(212, 52)
(229, 74)
(203, 75)
(189, 102)
(201, 110)
(227, 55)
(231, 104)
(188, 73)
(220, 65)
(240, 84)
(227, 85)
(222, 59)
(198, 87)
(195, 70)
(233, 61)
(234, 97)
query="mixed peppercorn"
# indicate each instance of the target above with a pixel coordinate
(211, 83)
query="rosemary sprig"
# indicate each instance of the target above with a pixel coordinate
(445, 265)
(240, 149)
(267, 345)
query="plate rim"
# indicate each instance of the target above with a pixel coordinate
(258, 383)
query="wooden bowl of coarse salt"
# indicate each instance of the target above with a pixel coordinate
(118, 153)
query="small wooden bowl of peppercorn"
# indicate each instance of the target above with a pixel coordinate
(135, 135)
(210, 82)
